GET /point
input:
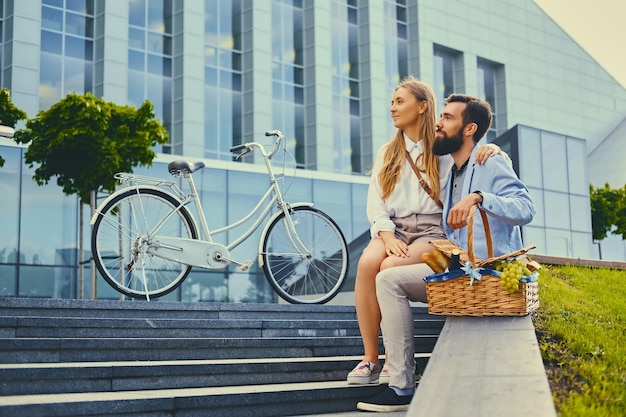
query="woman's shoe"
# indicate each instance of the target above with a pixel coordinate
(364, 373)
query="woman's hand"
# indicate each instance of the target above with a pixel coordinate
(393, 245)
(486, 151)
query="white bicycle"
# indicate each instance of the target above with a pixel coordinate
(145, 240)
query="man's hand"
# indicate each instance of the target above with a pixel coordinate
(393, 245)
(458, 215)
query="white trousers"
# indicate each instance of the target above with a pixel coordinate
(395, 288)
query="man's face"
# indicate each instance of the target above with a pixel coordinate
(449, 134)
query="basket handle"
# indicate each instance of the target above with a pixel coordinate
(470, 235)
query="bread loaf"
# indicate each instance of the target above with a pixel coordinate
(436, 260)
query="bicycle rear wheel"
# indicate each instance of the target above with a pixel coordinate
(312, 278)
(121, 238)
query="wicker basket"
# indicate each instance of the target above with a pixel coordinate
(455, 293)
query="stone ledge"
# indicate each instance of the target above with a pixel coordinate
(487, 367)
(594, 263)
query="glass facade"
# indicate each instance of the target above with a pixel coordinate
(288, 75)
(222, 77)
(553, 168)
(446, 74)
(44, 264)
(346, 86)
(67, 49)
(150, 57)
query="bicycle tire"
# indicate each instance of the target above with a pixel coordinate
(121, 228)
(313, 280)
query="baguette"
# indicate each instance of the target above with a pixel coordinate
(436, 260)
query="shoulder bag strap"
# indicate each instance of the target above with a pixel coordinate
(421, 180)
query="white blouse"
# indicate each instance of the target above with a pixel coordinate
(408, 196)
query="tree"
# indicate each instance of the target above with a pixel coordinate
(83, 141)
(608, 211)
(10, 114)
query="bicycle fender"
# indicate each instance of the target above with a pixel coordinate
(270, 221)
(102, 205)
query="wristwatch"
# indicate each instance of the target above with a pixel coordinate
(480, 194)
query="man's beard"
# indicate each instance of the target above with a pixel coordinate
(448, 144)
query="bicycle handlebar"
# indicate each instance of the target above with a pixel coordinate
(247, 147)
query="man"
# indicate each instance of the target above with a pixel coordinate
(494, 187)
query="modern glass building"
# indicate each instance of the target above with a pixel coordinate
(222, 72)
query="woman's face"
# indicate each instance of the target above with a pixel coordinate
(406, 110)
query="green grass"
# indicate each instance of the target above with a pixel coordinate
(581, 327)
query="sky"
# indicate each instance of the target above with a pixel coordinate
(598, 26)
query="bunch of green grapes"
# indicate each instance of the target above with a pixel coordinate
(510, 274)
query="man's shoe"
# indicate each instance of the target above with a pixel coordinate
(364, 373)
(387, 401)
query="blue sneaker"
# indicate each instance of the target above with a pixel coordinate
(387, 401)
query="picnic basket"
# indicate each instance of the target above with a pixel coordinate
(475, 290)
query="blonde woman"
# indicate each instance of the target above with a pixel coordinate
(404, 211)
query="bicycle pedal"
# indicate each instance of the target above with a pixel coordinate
(244, 266)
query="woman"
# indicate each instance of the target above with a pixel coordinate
(404, 212)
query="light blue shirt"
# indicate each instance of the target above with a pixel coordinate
(505, 199)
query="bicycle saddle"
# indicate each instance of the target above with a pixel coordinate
(184, 167)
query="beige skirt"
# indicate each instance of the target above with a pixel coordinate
(419, 227)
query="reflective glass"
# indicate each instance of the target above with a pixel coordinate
(9, 209)
(556, 212)
(136, 38)
(205, 286)
(51, 42)
(580, 209)
(360, 223)
(47, 281)
(530, 166)
(80, 25)
(78, 48)
(55, 3)
(554, 161)
(39, 205)
(51, 79)
(8, 274)
(136, 60)
(577, 166)
(82, 6)
(325, 198)
(137, 13)
(74, 76)
(135, 88)
(51, 19)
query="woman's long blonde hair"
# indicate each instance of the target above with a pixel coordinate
(395, 157)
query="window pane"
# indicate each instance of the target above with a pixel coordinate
(51, 19)
(577, 167)
(557, 215)
(51, 42)
(554, 160)
(530, 157)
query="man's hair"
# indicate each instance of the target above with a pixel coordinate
(477, 111)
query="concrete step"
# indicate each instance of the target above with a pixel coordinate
(271, 400)
(130, 358)
(83, 327)
(73, 377)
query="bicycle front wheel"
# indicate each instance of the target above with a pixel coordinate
(122, 235)
(313, 274)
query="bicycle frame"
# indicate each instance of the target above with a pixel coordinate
(206, 245)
